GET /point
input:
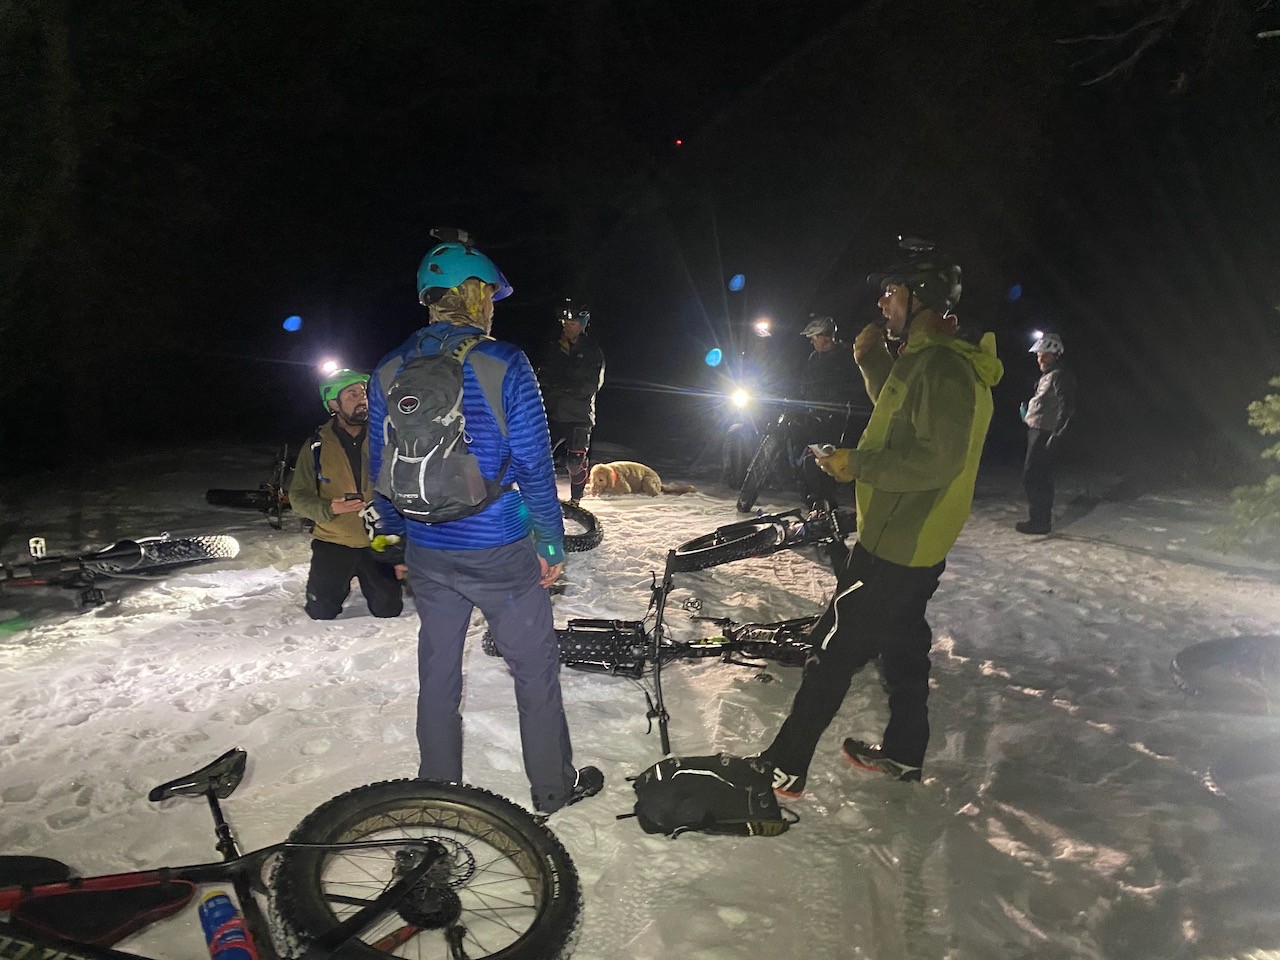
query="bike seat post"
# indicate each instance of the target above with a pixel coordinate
(226, 842)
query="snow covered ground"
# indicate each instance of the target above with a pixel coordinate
(1063, 812)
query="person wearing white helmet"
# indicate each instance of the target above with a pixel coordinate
(1046, 415)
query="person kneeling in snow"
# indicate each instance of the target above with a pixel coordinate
(915, 468)
(330, 486)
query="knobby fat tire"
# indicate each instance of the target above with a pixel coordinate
(533, 868)
(762, 464)
(737, 541)
(158, 553)
(592, 533)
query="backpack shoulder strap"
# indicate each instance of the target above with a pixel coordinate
(489, 372)
(315, 453)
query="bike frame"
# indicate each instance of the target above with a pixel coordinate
(238, 869)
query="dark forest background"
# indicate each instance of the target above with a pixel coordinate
(178, 178)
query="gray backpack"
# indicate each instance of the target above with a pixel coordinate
(428, 473)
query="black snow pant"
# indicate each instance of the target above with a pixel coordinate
(571, 441)
(1037, 477)
(329, 582)
(878, 611)
(504, 583)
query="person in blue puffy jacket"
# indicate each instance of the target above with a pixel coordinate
(501, 559)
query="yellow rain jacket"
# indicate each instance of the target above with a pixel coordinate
(918, 458)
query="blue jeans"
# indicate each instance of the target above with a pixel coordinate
(503, 583)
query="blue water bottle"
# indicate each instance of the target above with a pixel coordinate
(224, 928)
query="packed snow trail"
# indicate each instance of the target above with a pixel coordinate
(1063, 812)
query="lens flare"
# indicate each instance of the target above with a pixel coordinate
(330, 366)
(737, 282)
(292, 324)
(739, 398)
(714, 356)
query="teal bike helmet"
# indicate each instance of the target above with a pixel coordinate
(338, 381)
(453, 262)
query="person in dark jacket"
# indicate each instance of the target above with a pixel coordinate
(1046, 415)
(832, 379)
(330, 486)
(571, 374)
(831, 375)
(501, 559)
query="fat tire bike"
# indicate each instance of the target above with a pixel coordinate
(623, 648)
(781, 450)
(144, 559)
(271, 498)
(411, 868)
(762, 536)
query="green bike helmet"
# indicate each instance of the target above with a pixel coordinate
(453, 262)
(338, 381)
(930, 276)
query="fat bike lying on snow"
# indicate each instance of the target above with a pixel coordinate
(623, 648)
(635, 649)
(409, 868)
(144, 559)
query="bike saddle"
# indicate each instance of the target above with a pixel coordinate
(222, 777)
(31, 871)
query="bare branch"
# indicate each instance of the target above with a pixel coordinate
(1107, 37)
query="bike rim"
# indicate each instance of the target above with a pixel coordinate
(496, 886)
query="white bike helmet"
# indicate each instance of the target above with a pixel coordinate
(1048, 343)
(819, 326)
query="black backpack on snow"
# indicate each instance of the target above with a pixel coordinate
(427, 471)
(720, 794)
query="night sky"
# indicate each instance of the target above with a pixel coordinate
(179, 178)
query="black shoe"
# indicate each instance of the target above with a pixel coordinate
(588, 783)
(872, 758)
(1026, 526)
(787, 785)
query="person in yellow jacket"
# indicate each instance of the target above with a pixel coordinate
(330, 487)
(914, 468)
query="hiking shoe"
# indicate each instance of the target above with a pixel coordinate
(872, 758)
(588, 782)
(788, 785)
(1036, 529)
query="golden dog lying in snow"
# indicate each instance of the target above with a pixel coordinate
(627, 476)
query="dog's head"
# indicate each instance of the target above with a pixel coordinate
(601, 480)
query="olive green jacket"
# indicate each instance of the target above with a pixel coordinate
(313, 500)
(918, 458)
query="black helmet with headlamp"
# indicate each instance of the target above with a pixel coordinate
(931, 278)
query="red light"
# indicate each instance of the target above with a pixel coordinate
(679, 142)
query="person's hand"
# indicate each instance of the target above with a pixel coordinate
(869, 338)
(402, 570)
(839, 465)
(549, 574)
(341, 505)
(1022, 411)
